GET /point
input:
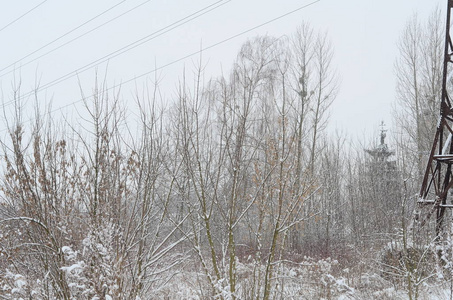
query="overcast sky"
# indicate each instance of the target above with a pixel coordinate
(364, 34)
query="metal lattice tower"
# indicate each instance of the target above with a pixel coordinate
(438, 177)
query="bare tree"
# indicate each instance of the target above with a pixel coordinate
(230, 176)
(419, 78)
(314, 86)
(85, 212)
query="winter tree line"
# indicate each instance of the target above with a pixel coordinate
(223, 189)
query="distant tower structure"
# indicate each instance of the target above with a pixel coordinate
(381, 153)
(381, 190)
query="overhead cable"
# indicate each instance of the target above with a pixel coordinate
(21, 16)
(59, 38)
(178, 60)
(196, 52)
(130, 46)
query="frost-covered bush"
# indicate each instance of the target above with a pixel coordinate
(92, 273)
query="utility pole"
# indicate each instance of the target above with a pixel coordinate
(438, 179)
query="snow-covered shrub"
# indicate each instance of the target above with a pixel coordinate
(100, 262)
(396, 263)
(15, 286)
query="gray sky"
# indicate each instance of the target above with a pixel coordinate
(363, 33)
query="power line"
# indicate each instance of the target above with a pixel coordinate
(129, 47)
(182, 58)
(60, 37)
(23, 15)
(214, 45)
(197, 52)
(68, 42)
